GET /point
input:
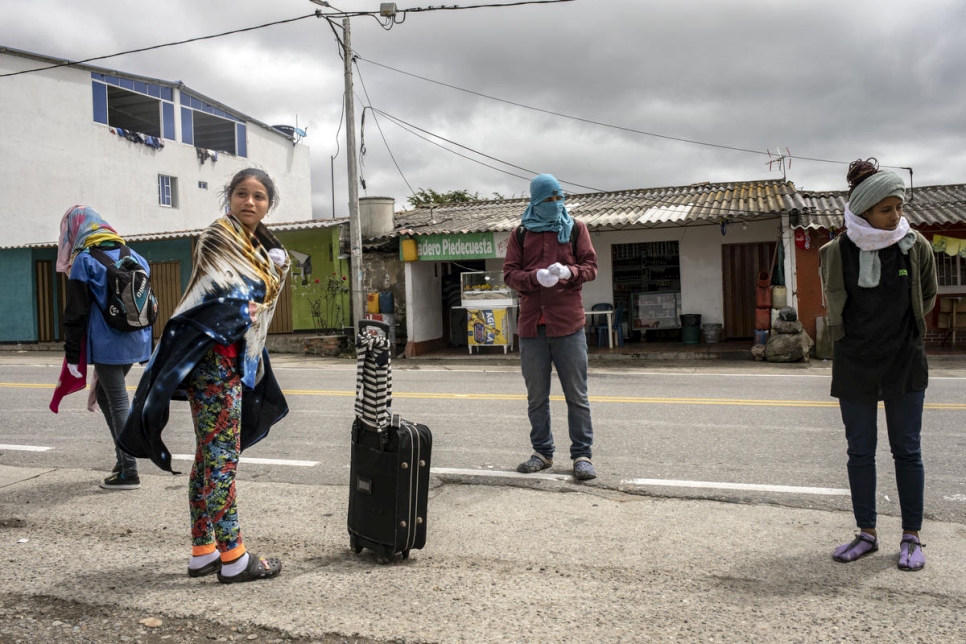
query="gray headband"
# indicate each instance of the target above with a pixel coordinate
(874, 189)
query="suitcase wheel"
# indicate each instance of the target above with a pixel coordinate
(405, 554)
(354, 544)
(384, 554)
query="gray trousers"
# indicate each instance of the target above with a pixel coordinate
(112, 398)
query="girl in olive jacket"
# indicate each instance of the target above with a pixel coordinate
(879, 281)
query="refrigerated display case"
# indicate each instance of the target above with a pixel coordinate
(485, 289)
(656, 311)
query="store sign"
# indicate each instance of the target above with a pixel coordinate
(441, 248)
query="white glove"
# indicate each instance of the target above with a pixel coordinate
(560, 271)
(74, 371)
(278, 256)
(546, 278)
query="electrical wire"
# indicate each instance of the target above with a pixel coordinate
(482, 154)
(70, 63)
(379, 127)
(656, 203)
(599, 123)
(481, 6)
(400, 125)
(329, 16)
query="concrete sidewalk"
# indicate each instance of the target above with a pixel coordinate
(557, 563)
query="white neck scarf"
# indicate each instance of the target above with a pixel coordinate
(867, 237)
(871, 240)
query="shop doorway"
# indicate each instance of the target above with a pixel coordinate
(641, 272)
(50, 301)
(454, 317)
(740, 266)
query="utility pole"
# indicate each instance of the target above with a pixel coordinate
(358, 296)
(355, 229)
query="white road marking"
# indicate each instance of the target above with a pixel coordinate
(750, 487)
(547, 476)
(501, 474)
(26, 448)
(252, 459)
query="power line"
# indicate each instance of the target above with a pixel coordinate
(70, 63)
(560, 114)
(379, 127)
(401, 126)
(599, 123)
(655, 203)
(398, 121)
(481, 6)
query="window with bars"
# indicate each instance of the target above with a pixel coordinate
(950, 272)
(167, 191)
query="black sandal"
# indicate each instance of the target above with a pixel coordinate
(208, 569)
(258, 568)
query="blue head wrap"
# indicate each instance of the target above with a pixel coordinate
(545, 216)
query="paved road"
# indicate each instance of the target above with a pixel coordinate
(732, 431)
(528, 560)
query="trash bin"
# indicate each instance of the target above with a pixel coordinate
(690, 328)
(712, 333)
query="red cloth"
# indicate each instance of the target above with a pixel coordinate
(230, 351)
(68, 384)
(560, 307)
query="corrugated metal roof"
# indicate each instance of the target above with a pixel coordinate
(925, 205)
(312, 224)
(646, 207)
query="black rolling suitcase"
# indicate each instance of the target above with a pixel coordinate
(389, 463)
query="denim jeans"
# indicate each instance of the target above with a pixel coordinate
(904, 424)
(113, 401)
(569, 355)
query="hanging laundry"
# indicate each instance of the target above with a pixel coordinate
(952, 246)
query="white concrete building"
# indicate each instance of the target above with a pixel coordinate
(60, 145)
(151, 156)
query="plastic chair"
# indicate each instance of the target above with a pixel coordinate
(618, 329)
(601, 327)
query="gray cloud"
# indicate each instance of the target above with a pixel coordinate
(825, 79)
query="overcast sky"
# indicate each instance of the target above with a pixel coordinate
(828, 79)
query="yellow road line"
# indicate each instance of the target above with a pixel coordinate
(631, 400)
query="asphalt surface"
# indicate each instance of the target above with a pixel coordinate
(509, 559)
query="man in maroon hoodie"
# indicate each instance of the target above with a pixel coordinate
(547, 263)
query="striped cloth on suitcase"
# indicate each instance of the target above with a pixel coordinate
(373, 380)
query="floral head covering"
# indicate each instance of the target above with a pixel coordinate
(81, 228)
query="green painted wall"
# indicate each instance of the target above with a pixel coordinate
(18, 309)
(320, 288)
(317, 248)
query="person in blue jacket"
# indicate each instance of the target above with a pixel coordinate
(88, 334)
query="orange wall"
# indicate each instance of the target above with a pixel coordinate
(810, 284)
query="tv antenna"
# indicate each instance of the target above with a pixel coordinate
(782, 160)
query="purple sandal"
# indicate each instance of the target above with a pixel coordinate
(911, 556)
(863, 544)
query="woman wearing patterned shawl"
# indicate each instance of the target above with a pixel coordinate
(213, 352)
(90, 339)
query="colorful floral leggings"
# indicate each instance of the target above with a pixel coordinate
(214, 391)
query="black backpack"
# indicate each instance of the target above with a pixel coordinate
(131, 305)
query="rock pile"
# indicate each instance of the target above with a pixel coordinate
(787, 341)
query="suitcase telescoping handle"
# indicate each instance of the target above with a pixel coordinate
(374, 327)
